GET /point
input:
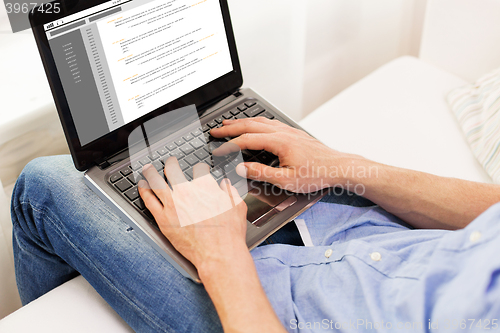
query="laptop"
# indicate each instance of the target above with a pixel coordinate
(138, 81)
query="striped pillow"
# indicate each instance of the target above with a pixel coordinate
(477, 108)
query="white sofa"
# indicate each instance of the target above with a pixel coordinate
(397, 115)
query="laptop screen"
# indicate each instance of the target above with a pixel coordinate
(121, 59)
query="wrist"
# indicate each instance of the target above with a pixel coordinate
(231, 258)
(354, 171)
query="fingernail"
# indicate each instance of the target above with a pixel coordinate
(228, 121)
(241, 170)
(146, 167)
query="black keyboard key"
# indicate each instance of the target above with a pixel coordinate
(233, 177)
(136, 166)
(179, 142)
(212, 124)
(115, 177)
(217, 173)
(198, 132)
(132, 194)
(126, 171)
(162, 152)
(227, 115)
(154, 156)
(171, 146)
(197, 143)
(187, 149)
(226, 166)
(254, 111)
(234, 112)
(123, 185)
(241, 116)
(264, 158)
(164, 159)
(134, 179)
(219, 119)
(188, 137)
(145, 161)
(158, 165)
(191, 159)
(209, 161)
(238, 160)
(151, 217)
(250, 103)
(242, 107)
(177, 154)
(268, 115)
(205, 128)
(275, 161)
(183, 165)
(201, 154)
(246, 155)
(189, 173)
(140, 204)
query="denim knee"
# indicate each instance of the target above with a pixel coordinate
(41, 178)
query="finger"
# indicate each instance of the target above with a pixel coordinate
(240, 126)
(173, 172)
(264, 173)
(263, 120)
(156, 183)
(200, 170)
(226, 149)
(150, 200)
(270, 142)
(231, 191)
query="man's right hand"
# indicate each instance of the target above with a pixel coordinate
(306, 165)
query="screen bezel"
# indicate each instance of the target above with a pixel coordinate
(106, 146)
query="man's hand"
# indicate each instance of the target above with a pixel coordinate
(203, 221)
(423, 200)
(306, 165)
(207, 224)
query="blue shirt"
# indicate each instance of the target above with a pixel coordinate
(367, 272)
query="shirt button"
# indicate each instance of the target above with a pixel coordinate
(376, 256)
(475, 236)
(328, 253)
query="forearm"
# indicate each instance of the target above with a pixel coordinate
(234, 287)
(424, 200)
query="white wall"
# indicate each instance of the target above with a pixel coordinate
(299, 54)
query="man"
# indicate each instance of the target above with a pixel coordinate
(368, 269)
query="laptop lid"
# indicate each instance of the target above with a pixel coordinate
(114, 65)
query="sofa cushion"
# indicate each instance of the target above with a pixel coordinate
(477, 108)
(399, 116)
(9, 298)
(73, 307)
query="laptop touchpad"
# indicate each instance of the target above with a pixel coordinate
(264, 201)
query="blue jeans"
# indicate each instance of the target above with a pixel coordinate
(62, 229)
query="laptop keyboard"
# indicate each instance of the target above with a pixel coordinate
(190, 149)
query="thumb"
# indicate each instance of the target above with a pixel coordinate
(264, 173)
